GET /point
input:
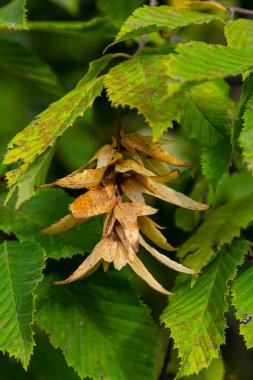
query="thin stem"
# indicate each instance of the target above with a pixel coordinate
(234, 10)
(119, 128)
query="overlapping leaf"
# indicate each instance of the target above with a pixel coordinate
(196, 316)
(144, 81)
(197, 62)
(207, 109)
(21, 267)
(239, 33)
(13, 15)
(149, 19)
(215, 161)
(101, 327)
(38, 213)
(242, 300)
(245, 138)
(219, 228)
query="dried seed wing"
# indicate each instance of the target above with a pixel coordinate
(85, 179)
(87, 265)
(142, 272)
(170, 177)
(126, 214)
(133, 190)
(108, 224)
(110, 250)
(158, 167)
(63, 224)
(126, 244)
(94, 202)
(121, 258)
(169, 195)
(105, 266)
(149, 228)
(103, 156)
(165, 260)
(139, 142)
(131, 165)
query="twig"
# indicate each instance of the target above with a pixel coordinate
(119, 128)
(143, 39)
(234, 10)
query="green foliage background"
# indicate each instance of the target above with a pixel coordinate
(193, 81)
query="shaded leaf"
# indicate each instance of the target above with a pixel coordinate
(242, 300)
(145, 80)
(71, 6)
(100, 26)
(215, 161)
(38, 213)
(100, 326)
(196, 316)
(118, 11)
(24, 64)
(150, 19)
(219, 228)
(13, 15)
(21, 267)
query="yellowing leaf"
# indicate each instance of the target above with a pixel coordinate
(207, 6)
(165, 260)
(98, 200)
(63, 224)
(150, 229)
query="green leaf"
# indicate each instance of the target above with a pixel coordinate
(196, 316)
(242, 300)
(21, 267)
(216, 371)
(215, 161)
(118, 10)
(145, 83)
(219, 228)
(13, 15)
(150, 19)
(24, 64)
(246, 136)
(43, 131)
(100, 325)
(34, 176)
(239, 33)
(40, 212)
(71, 6)
(100, 26)
(205, 117)
(198, 62)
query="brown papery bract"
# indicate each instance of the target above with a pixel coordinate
(116, 179)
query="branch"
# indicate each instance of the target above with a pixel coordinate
(234, 10)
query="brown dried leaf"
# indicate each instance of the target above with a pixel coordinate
(170, 177)
(63, 224)
(88, 264)
(126, 214)
(110, 249)
(142, 272)
(149, 228)
(131, 165)
(169, 195)
(165, 260)
(158, 167)
(108, 224)
(94, 202)
(138, 142)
